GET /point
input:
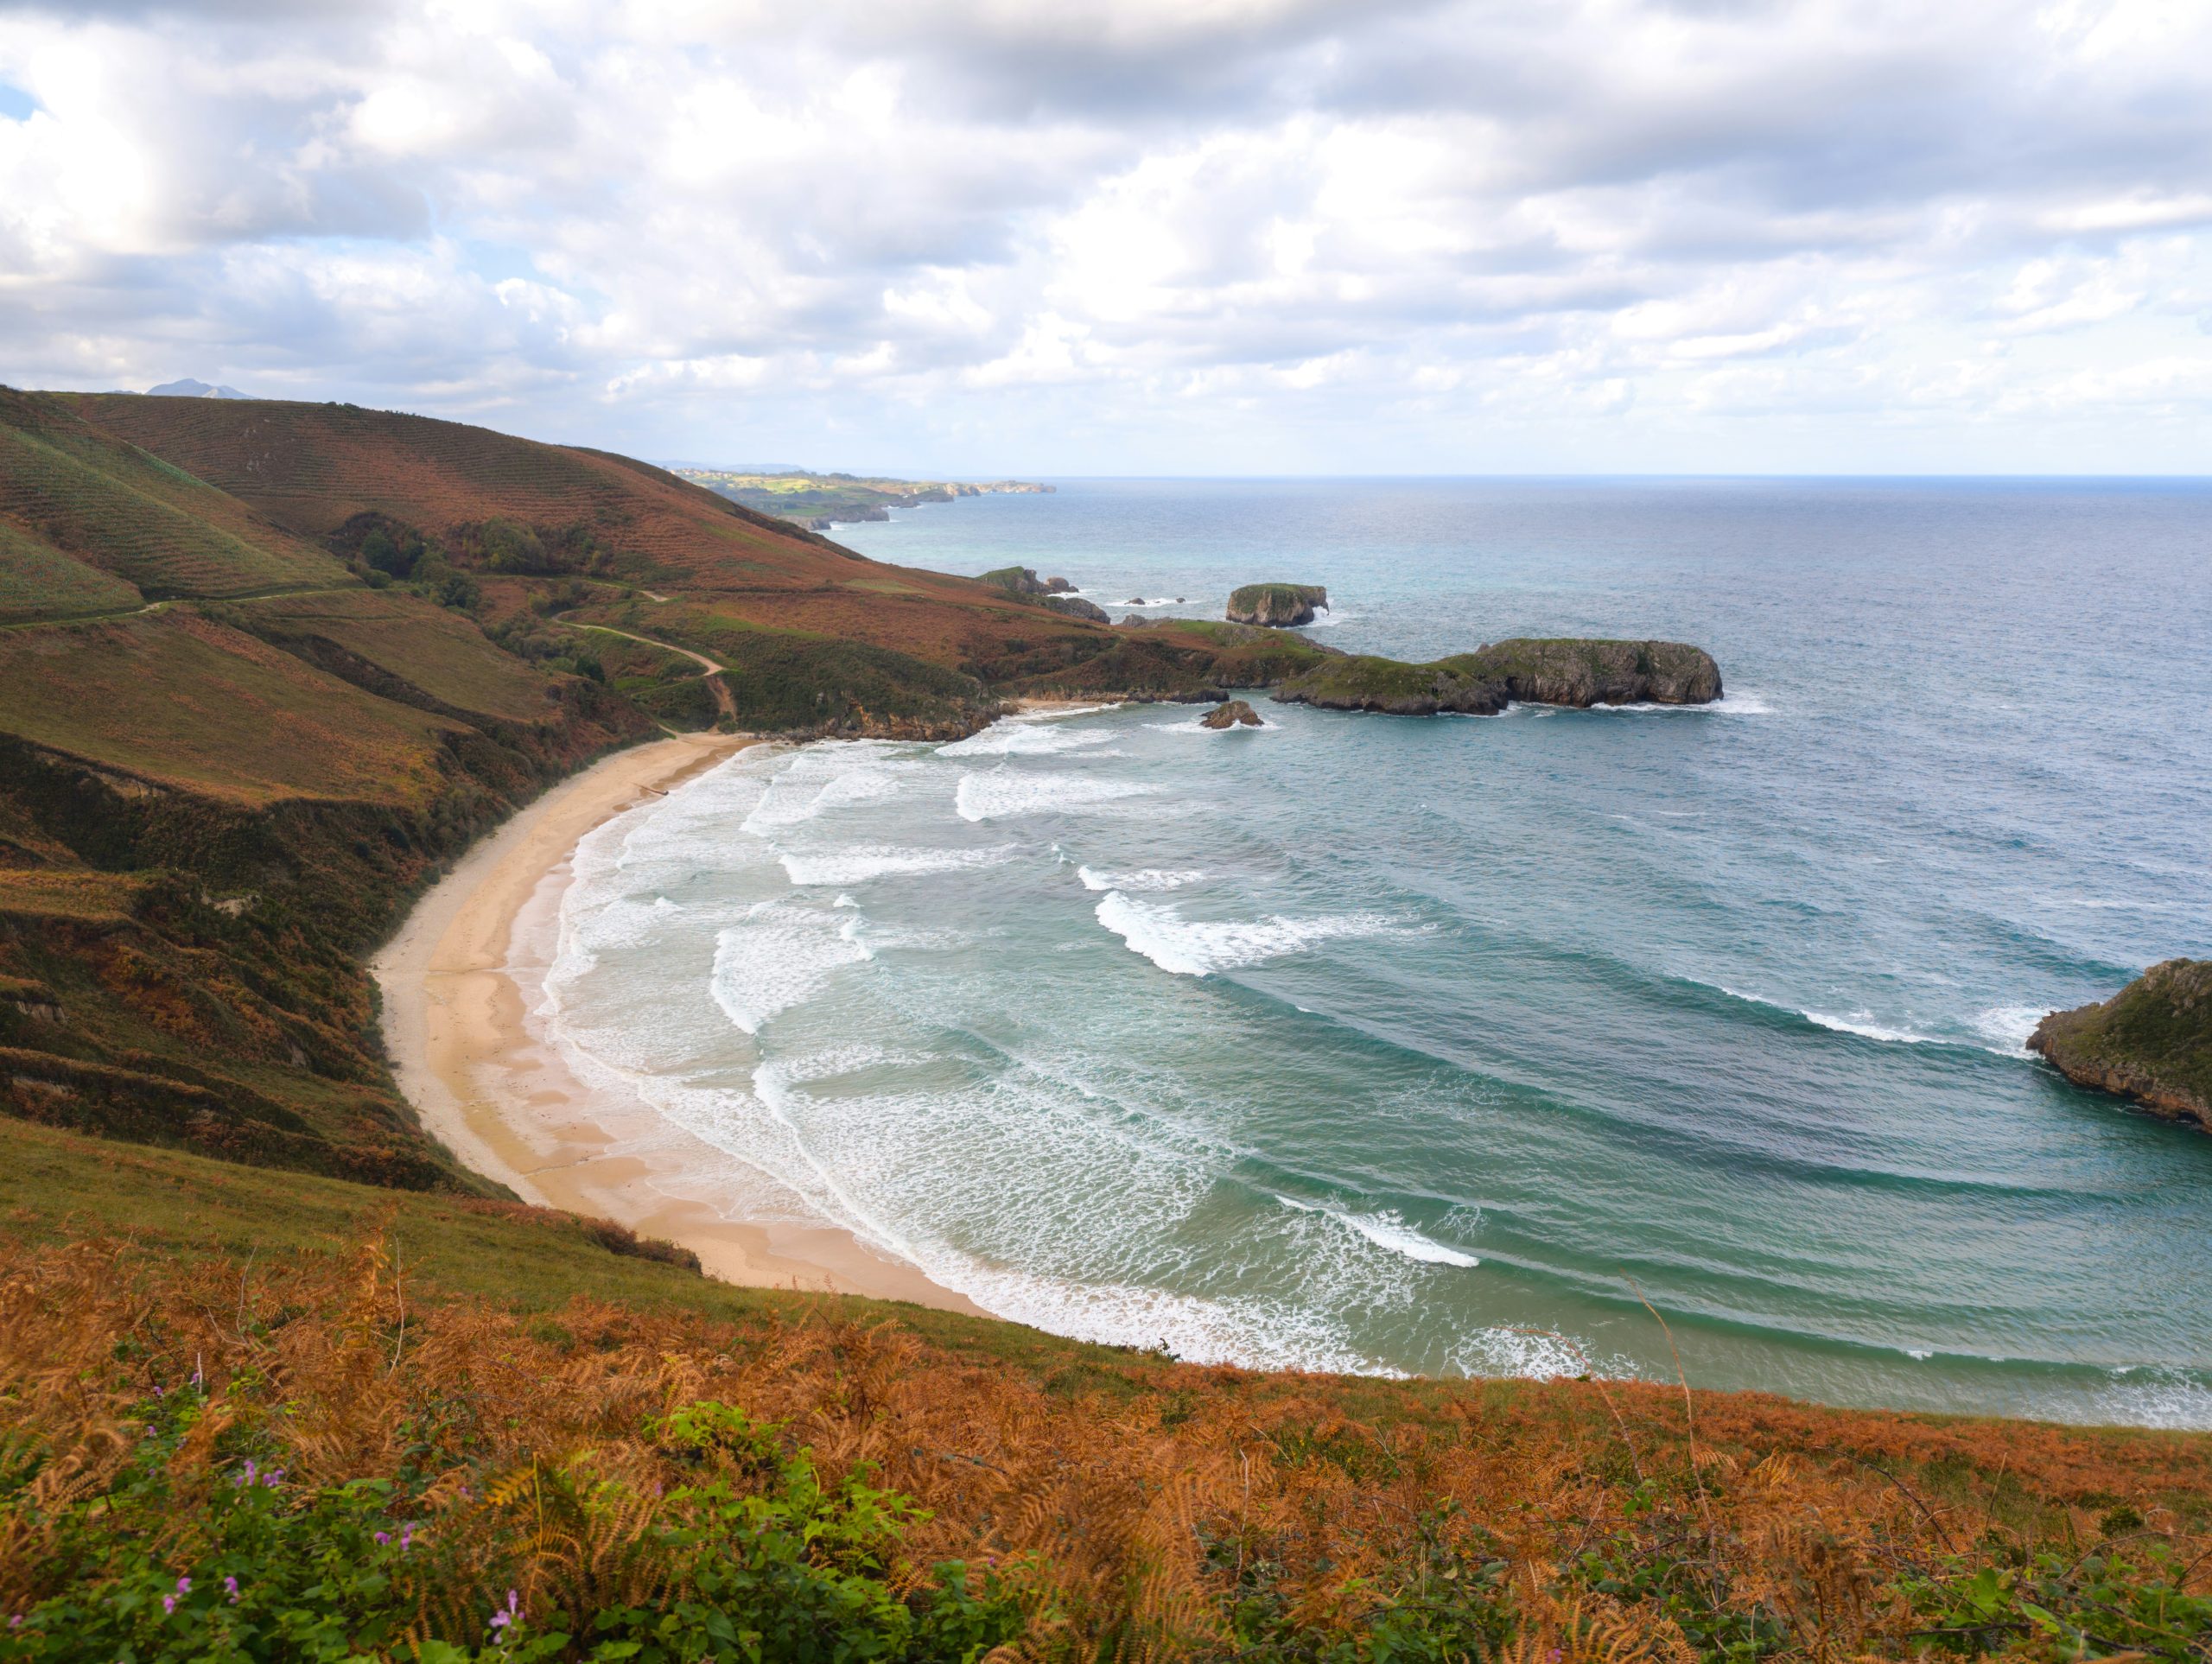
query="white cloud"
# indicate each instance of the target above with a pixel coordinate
(985, 235)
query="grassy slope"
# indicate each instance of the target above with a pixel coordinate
(311, 468)
(208, 808)
(185, 701)
(99, 502)
(1174, 1510)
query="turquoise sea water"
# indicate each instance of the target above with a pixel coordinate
(1443, 1044)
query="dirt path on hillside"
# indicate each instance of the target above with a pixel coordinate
(709, 673)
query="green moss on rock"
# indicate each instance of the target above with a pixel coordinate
(1276, 605)
(2151, 1043)
(1481, 683)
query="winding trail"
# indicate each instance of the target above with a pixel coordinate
(710, 672)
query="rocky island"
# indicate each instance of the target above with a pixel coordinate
(1233, 713)
(2151, 1043)
(1278, 605)
(1559, 671)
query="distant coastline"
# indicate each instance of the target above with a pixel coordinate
(820, 501)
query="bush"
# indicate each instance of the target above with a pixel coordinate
(194, 1549)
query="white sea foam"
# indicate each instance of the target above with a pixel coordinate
(1025, 737)
(779, 957)
(1198, 947)
(2001, 1029)
(2009, 1026)
(806, 788)
(1003, 793)
(1150, 877)
(862, 862)
(1862, 1024)
(1741, 701)
(1389, 1229)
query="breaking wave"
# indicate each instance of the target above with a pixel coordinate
(1200, 947)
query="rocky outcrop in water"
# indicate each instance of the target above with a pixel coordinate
(2151, 1043)
(1229, 715)
(1559, 671)
(1279, 605)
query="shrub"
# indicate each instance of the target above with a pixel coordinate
(195, 1548)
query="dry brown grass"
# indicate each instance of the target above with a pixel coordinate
(1157, 1498)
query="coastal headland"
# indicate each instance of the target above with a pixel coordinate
(2151, 1043)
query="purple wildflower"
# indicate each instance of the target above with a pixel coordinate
(407, 1536)
(17, 1622)
(168, 1604)
(184, 1585)
(501, 1619)
(230, 1587)
(250, 1476)
(383, 1538)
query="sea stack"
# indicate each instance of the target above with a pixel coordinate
(1277, 604)
(1230, 714)
(2151, 1043)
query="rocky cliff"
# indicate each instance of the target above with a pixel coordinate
(1279, 604)
(2151, 1043)
(1579, 673)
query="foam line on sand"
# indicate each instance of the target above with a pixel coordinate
(458, 980)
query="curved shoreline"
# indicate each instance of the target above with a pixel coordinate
(458, 980)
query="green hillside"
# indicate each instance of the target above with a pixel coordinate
(74, 498)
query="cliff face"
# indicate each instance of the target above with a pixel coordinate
(1579, 673)
(1583, 673)
(1280, 605)
(2151, 1043)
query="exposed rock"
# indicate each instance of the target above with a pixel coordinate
(1021, 579)
(1277, 604)
(1076, 606)
(1134, 600)
(1229, 715)
(1057, 586)
(1578, 673)
(1582, 673)
(2151, 1041)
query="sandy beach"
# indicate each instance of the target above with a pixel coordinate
(458, 980)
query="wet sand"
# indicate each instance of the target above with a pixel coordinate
(458, 980)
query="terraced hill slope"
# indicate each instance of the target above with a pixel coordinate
(224, 761)
(90, 522)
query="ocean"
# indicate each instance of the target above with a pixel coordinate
(1549, 1043)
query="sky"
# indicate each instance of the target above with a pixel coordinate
(976, 238)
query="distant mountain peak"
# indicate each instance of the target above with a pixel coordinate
(190, 389)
